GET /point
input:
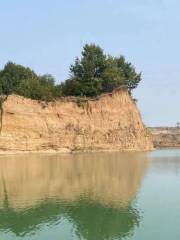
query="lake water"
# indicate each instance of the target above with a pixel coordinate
(92, 196)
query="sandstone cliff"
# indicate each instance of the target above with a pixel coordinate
(111, 122)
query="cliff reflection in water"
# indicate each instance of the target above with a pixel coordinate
(93, 191)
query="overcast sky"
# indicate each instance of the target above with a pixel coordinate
(47, 35)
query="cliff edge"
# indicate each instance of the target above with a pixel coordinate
(110, 122)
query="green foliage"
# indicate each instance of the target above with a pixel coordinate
(25, 82)
(92, 74)
(95, 73)
(12, 75)
(57, 92)
(85, 79)
(72, 87)
(32, 88)
(131, 78)
(112, 76)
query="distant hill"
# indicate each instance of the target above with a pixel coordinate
(166, 137)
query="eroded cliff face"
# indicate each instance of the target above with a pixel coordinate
(111, 122)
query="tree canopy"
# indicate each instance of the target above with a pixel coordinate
(90, 75)
(95, 73)
(23, 81)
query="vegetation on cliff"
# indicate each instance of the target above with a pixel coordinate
(91, 75)
(23, 81)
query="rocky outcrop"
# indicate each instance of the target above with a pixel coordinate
(111, 122)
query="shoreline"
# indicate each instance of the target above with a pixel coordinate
(67, 151)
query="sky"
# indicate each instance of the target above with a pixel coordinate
(47, 36)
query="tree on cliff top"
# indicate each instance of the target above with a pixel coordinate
(17, 79)
(86, 73)
(90, 75)
(12, 75)
(95, 73)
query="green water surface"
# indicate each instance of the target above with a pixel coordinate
(92, 196)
